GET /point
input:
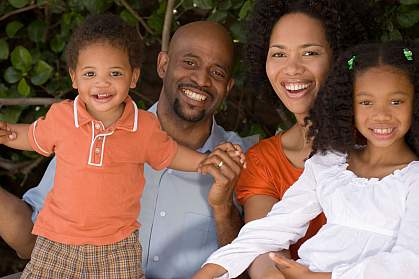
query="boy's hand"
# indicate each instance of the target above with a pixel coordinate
(209, 271)
(5, 133)
(293, 270)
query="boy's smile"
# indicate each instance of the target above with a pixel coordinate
(103, 76)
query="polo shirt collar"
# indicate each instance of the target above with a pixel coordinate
(128, 120)
(216, 136)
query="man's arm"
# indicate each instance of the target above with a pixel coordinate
(16, 224)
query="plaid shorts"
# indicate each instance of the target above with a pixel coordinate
(52, 260)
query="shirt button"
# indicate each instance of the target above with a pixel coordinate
(156, 258)
(97, 150)
(99, 138)
(97, 126)
(162, 213)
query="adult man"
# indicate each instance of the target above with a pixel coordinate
(184, 216)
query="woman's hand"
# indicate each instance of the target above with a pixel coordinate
(293, 270)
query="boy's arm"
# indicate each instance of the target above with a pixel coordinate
(186, 159)
(15, 135)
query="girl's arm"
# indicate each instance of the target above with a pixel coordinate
(15, 135)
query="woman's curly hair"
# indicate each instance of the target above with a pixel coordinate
(107, 28)
(341, 19)
(331, 118)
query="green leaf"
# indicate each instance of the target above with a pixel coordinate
(57, 44)
(13, 27)
(42, 72)
(155, 21)
(3, 90)
(23, 88)
(409, 2)
(18, 3)
(245, 9)
(218, 15)
(37, 31)
(11, 75)
(408, 19)
(76, 5)
(21, 59)
(97, 6)
(238, 32)
(225, 5)
(11, 114)
(4, 49)
(203, 4)
(395, 35)
(128, 18)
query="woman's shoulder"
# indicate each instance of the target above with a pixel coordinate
(269, 147)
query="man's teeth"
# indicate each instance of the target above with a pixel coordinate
(296, 86)
(193, 95)
(383, 131)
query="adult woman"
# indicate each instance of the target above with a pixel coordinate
(299, 40)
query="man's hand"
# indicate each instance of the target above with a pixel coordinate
(6, 134)
(293, 270)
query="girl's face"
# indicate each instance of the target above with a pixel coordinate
(298, 61)
(383, 105)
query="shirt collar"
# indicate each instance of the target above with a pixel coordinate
(216, 136)
(128, 120)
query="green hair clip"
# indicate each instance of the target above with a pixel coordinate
(351, 63)
(408, 54)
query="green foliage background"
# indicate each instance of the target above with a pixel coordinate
(33, 35)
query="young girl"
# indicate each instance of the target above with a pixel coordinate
(88, 226)
(364, 176)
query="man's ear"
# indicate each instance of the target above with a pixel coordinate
(135, 76)
(230, 85)
(73, 78)
(162, 63)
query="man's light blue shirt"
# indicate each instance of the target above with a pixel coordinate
(177, 230)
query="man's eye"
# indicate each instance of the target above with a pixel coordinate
(189, 62)
(310, 53)
(89, 74)
(116, 73)
(218, 74)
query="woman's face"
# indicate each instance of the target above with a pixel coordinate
(298, 61)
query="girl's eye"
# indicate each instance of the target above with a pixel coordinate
(396, 102)
(278, 55)
(89, 74)
(116, 74)
(310, 53)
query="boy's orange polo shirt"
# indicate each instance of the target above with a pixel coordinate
(99, 176)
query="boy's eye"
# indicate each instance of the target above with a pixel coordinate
(365, 102)
(396, 102)
(116, 73)
(310, 53)
(89, 74)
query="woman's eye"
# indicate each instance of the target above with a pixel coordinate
(310, 53)
(278, 54)
(89, 74)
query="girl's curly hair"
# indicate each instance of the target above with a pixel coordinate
(341, 19)
(331, 118)
(106, 28)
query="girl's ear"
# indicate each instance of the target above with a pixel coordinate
(135, 76)
(73, 77)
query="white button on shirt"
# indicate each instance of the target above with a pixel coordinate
(97, 126)
(156, 258)
(372, 228)
(162, 213)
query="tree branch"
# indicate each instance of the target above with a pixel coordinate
(137, 16)
(27, 101)
(167, 25)
(21, 10)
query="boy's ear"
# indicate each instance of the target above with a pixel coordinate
(162, 62)
(73, 78)
(135, 76)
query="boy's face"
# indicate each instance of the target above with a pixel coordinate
(103, 76)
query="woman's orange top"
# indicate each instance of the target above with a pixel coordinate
(270, 173)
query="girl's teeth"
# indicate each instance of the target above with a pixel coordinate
(296, 86)
(383, 131)
(193, 95)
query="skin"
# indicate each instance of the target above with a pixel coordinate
(214, 47)
(299, 55)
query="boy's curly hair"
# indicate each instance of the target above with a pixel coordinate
(331, 118)
(341, 19)
(106, 28)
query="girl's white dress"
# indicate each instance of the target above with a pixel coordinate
(372, 229)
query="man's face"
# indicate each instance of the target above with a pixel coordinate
(196, 75)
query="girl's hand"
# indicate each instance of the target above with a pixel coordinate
(293, 270)
(5, 133)
(209, 271)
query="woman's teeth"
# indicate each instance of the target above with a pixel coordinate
(383, 131)
(296, 86)
(194, 96)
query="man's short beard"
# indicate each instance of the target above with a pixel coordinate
(178, 110)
